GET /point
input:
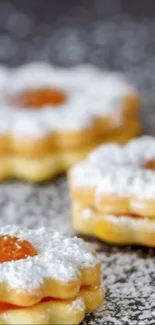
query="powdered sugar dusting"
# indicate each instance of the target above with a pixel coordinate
(137, 205)
(119, 169)
(58, 258)
(86, 214)
(135, 152)
(78, 304)
(89, 91)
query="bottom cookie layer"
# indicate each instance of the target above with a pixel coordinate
(120, 230)
(41, 169)
(56, 311)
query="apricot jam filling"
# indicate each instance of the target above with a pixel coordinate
(4, 307)
(13, 249)
(132, 215)
(150, 164)
(38, 98)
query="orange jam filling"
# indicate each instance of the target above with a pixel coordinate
(37, 98)
(150, 164)
(132, 215)
(4, 307)
(13, 249)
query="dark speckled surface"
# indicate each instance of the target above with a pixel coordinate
(117, 35)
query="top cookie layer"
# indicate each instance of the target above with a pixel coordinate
(119, 170)
(89, 94)
(59, 258)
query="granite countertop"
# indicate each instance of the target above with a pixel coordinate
(117, 43)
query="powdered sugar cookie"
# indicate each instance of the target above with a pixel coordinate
(113, 193)
(45, 275)
(51, 118)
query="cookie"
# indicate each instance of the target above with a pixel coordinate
(50, 118)
(113, 193)
(46, 277)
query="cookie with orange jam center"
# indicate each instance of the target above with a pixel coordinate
(13, 249)
(37, 98)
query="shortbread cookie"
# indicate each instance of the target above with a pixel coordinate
(114, 229)
(46, 277)
(52, 311)
(58, 115)
(43, 168)
(113, 193)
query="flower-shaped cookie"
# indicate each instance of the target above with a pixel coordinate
(113, 193)
(51, 117)
(44, 273)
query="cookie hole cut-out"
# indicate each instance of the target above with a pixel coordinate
(13, 249)
(38, 98)
(150, 164)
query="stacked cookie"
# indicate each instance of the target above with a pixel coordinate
(50, 118)
(46, 278)
(113, 193)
